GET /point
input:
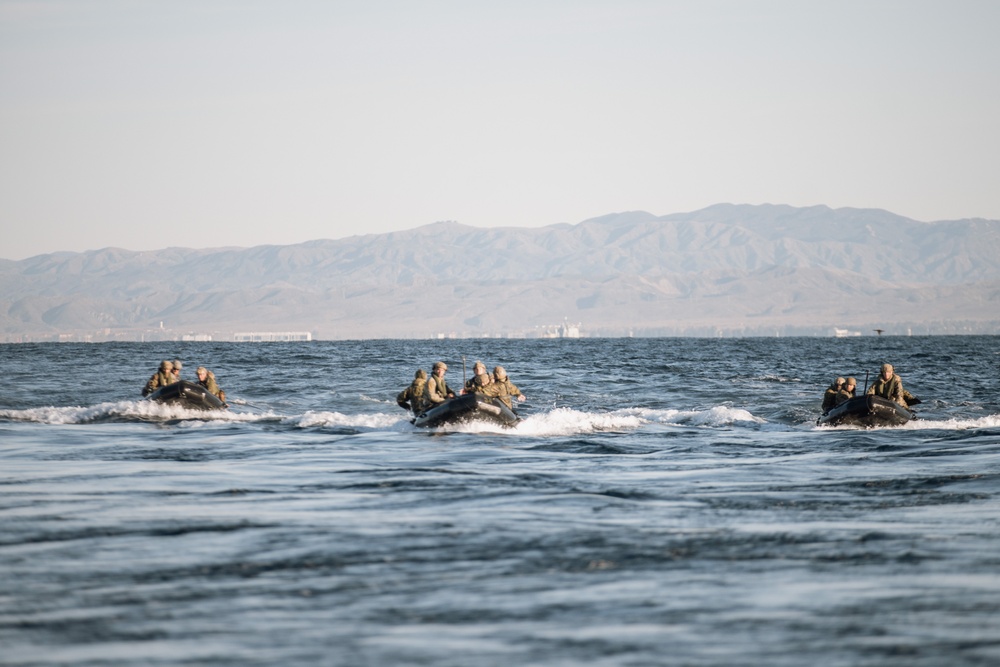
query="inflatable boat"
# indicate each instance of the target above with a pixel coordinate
(187, 394)
(868, 411)
(467, 408)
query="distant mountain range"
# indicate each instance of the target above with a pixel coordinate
(724, 270)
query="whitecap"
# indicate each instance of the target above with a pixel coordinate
(127, 411)
(564, 421)
(989, 421)
(312, 419)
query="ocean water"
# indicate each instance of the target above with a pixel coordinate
(664, 502)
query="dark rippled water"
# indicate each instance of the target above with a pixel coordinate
(665, 501)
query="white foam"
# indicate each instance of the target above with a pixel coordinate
(558, 421)
(989, 421)
(565, 421)
(319, 419)
(126, 411)
(720, 415)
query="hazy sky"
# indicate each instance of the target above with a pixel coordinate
(202, 123)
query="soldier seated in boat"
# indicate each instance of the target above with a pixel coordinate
(503, 388)
(176, 372)
(888, 385)
(161, 378)
(847, 392)
(437, 388)
(830, 396)
(206, 379)
(479, 381)
(413, 397)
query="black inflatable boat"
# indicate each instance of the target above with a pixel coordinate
(187, 394)
(868, 411)
(467, 408)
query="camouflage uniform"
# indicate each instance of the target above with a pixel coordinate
(508, 389)
(413, 398)
(891, 389)
(830, 396)
(479, 381)
(437, 388)
(161, 378)
(502, 387)
(210, 384)
(846, 394)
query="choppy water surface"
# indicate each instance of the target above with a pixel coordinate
(665, 501)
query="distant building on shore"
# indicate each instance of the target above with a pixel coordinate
(271, 336)
(564, 330)
(845, 333)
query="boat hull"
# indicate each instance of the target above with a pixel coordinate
(868, 411)
(467, 408)
(187, 394)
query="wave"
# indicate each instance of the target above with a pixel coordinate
(148, 411)
(954, 424)
(567, 421)
(556, 422)
(377, 420)
(128, 411)
(560, 421)
(779, 379)
(989, 421)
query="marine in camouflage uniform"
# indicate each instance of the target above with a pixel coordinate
(437, 388)
(413, 397)
(890, 386)
(161, 378)
(830, 396)
(847, 392)
(206, 379)
(479, 380)
(503, 388)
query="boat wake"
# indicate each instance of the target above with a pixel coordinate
(373, 421)
(922, 424)
(555, 422)
(567, 421)
(559, 421)
(989, 421)
(128, 411)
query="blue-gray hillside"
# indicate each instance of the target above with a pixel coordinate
(731, 267)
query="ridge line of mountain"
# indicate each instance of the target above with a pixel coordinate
(778, 266)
